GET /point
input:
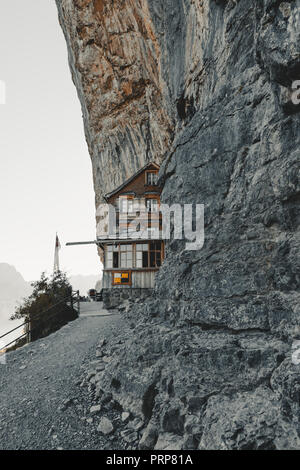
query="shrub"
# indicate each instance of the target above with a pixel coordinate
(49, 307)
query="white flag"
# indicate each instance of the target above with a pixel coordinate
(56, 254)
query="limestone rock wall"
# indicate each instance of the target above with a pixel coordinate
(204, 86)
(114, 58)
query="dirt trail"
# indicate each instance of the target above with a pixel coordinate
(42, 405)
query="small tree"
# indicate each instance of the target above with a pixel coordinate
(46, 292)
(47, 307)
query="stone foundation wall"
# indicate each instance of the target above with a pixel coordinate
(114, 297)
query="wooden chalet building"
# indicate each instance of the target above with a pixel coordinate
(130, 263)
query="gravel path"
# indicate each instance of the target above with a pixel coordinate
(42, 405)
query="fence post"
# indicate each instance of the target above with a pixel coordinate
(71, 297)
(78, 302)
(28, 328)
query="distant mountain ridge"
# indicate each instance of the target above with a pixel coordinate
(13, 286)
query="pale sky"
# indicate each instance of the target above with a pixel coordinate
(46, 176)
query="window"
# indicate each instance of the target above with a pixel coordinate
(130, 205)
(109, 257)
(119, 256)
(152, 205)
(126, 204)
(151, 178)
(149, 255)
(155, 254)
(142, 255)
(116, 260)
(137, 205)
(126, 256)
(123, 204)
(123, 278)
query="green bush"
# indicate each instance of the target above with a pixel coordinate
(49, 306)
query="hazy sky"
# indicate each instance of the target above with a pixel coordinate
(45, 169)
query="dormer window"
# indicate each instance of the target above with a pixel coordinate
(151, 178)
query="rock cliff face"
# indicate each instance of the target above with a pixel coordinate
(204, 87)
(115, 57)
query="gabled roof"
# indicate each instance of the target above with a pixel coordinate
(123, 185)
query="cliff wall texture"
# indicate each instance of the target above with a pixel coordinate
(203, 87)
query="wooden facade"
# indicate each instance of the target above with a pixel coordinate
(132, 263)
